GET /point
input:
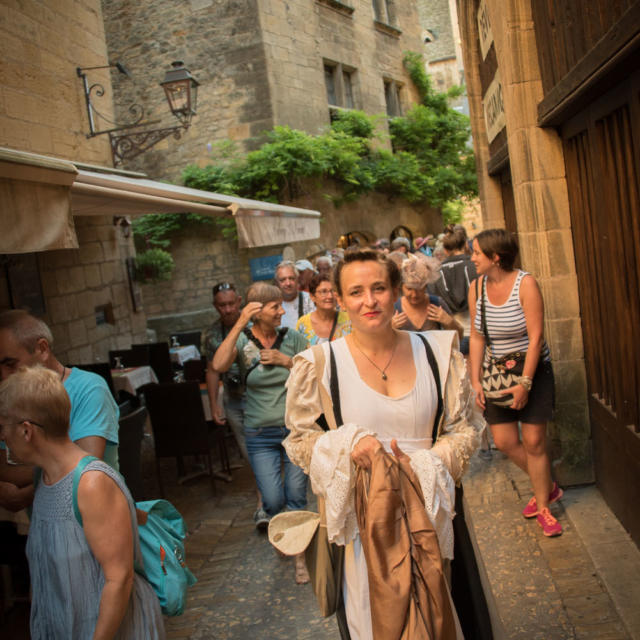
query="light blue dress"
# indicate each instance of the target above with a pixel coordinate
(67, 580)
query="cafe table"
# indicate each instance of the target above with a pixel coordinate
(130, 379)
(179, 355)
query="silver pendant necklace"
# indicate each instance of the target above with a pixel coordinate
(382, 371)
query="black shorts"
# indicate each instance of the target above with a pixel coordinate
(539, 407)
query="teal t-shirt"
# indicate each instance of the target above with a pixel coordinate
(266, 393)
(94, 412)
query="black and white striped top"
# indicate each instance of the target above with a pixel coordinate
(506, 323)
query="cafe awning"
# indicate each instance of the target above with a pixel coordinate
(39, 196)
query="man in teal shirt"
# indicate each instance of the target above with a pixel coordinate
(26, 341)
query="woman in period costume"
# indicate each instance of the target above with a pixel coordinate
(395, 391)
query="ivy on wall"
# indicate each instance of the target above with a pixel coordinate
(430, 163)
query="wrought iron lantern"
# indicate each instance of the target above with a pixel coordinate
(132, 139)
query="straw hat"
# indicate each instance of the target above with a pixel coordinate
(291, 532)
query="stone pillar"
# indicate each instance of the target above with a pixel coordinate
(488, 188)
(544, 226)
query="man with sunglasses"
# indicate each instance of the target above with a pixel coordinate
(295, 303)
(226, 301)
(27, 341)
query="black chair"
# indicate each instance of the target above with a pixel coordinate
(103, 369)
(179, 426)
(158, 358)
(128, 358)
(130, 442)
(195, 370)
(185, 338)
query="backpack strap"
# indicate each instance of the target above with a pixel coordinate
(433, 363)
(300, 304)
(77, 474)
(333, 326)
(330, 402)
(276, 345)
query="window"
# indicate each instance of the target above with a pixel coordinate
(393, 97)
(383, 11)
(340, 83)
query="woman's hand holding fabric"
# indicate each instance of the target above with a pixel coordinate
(363, 452)
(397, 452)
(520, 396)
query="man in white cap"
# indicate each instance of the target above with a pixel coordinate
(295, 303)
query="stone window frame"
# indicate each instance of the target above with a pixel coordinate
(341, 7)
(393, 90)
(347, 95)
(385, 17)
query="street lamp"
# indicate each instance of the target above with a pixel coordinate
(130, 140)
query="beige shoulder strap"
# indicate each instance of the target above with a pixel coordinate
(327, 407)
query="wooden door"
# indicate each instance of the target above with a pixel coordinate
(602, 160)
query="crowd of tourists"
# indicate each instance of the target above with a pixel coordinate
(370, 371)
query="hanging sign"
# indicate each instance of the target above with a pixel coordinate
(494, 108)
(484, 29)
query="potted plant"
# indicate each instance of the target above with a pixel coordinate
(154, 265)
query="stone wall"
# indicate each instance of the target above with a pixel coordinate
(542, 211)
(220, 43)
(203, 258)
(42, 110)
(300, 37)
(42, 106)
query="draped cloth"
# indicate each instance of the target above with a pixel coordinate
(407, 588)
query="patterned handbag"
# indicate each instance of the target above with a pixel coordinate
(500, 373)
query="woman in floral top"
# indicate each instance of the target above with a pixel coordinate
(326, 323)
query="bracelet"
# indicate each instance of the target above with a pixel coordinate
(526, 382)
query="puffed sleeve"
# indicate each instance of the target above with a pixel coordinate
(302, 410)
(463, 423)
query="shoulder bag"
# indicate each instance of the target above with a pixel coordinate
(162, 547)
(500, 373)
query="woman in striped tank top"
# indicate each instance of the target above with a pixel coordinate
(514, 316)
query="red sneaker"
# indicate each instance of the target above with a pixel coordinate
(550, 526)
(531, 510)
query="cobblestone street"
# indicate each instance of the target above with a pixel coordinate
(244, 589)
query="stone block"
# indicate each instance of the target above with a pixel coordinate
(108, 271)
(535, 154)
(77, 333)
(555, 204)
(86, 301)
(58, 309)
(522, 49)
(565, 339)
(49, 283)
(91, 253)
(560, 296)
(521, 104)
(571, 380)
(79, 355)
(92, 275)
(61, 341)
(71, 280)
(560, 252)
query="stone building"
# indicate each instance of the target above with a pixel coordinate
(553, 90)
(83, 288)
(261, 64)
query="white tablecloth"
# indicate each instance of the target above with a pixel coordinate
(180, 355)
(132, 378)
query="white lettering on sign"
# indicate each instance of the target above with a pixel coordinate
(494, 108)
(484, 29)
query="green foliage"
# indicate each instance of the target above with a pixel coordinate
(452, 212)
(153, 265)
(430, 163)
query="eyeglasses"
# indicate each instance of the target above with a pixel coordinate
(223, 286)
(324, 292)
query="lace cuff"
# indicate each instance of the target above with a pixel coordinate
(332, 475)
